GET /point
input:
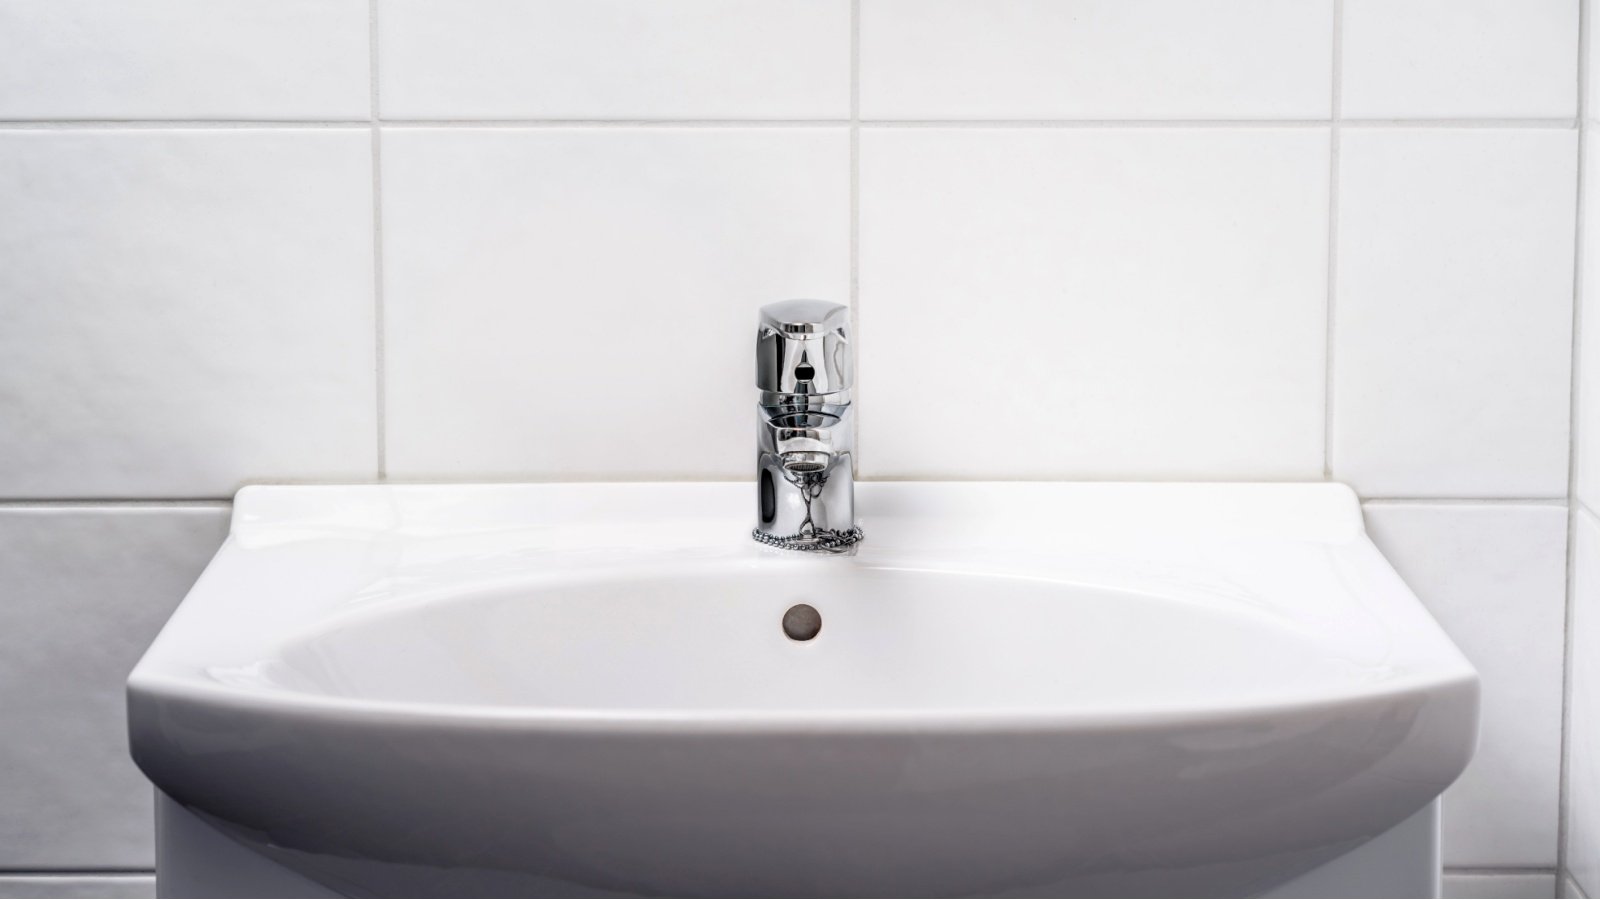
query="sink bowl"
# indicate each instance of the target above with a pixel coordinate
(1024, 689)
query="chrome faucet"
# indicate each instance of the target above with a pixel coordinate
(805, 445)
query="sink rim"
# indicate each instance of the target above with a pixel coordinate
(305, 516)
(740, 721)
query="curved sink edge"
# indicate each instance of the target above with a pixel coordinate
(1423, 789)
(145, 687)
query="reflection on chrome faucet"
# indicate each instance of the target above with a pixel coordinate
(805, 441)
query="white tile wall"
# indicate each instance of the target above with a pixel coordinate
(85, 590)
(1581, 844)
(84, 885)
(1143, 303)
(1096, 59)
(599, 324)
(599, 59)
(1131, 275)
(1493, 575)
(1490, 885)
(1440, 59)
(1583, 748)
(183, 59)
(1453, 318)
(184, 310)
(1587, 469)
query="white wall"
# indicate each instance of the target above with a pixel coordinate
(1581, 789)
(330, 240)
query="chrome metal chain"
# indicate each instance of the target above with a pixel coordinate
(825, 540)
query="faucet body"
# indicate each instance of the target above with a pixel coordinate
(805, 428)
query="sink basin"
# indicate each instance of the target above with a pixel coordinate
(587, 689)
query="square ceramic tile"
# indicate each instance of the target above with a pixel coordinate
(601, 59)
(1473, 885)
(86, 885)
(1469, 885)
(1494, 576)
(1096, 59)
(1569, 888)
(1588, 409)
(1590, 100)
(1460, 58)
(571, 304)
(184, 59)
(186, 310)
(1091, 303)
(1453, 320)
(85, 591)
(1583, 726)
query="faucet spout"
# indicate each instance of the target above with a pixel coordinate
(805, 442)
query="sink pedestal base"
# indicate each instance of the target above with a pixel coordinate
(195, 859)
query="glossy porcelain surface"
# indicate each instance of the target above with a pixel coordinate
(1017, 688)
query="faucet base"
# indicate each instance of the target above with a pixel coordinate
(817, 541)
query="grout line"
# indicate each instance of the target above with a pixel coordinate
(612, 123)
(853, 121)
(1094, 123)
(100, 502)
(1499, 870)
(380, 381)
(855, 218)
(76, 873)
(1573, 504)
(1335, 107)
(1547, 123)
(223, 124)
(1543, 123)
(1466, 501)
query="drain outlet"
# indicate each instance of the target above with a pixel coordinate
(802, 622)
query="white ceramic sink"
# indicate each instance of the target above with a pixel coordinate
(1016, 689)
